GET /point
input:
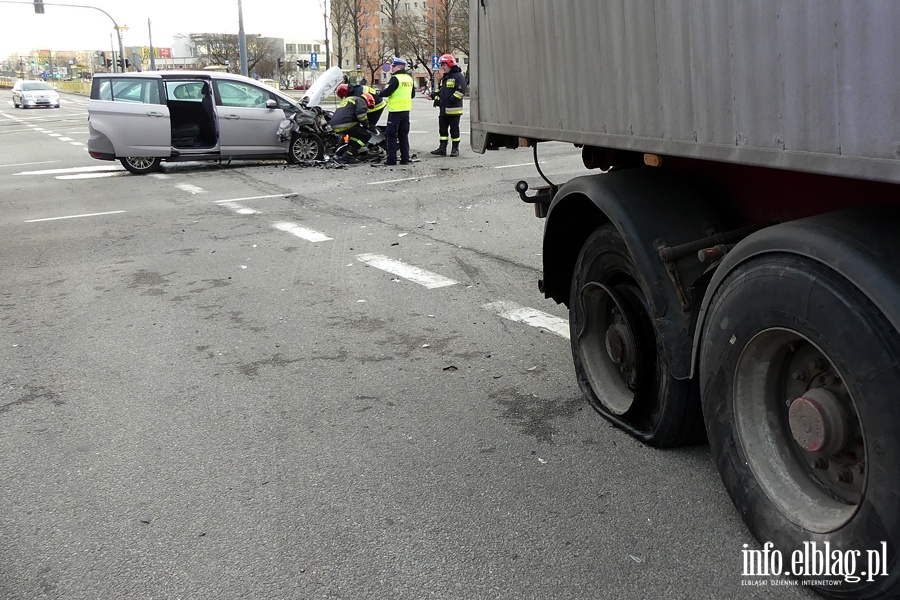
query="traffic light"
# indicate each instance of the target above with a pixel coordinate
(303, 64)
(108, 63)
(299, 64)
(280, 63)
(39, 6)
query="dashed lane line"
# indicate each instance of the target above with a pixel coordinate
(400, 269)
(28, 164)
(310, 235)
(74, 170)
(288, 195)
(530, 316)
(187, 187)
(92, 175)
(112, 212)
(238, 208)
(399, 180)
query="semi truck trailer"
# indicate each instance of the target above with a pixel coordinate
(730, 260)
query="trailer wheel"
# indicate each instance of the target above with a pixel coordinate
(800, 374)
(614, 348)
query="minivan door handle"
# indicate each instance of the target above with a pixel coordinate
(153, 113)
(231, 117)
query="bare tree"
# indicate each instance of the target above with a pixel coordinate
(217, 48)
(341, 19)
(414, 32)
(391, 30)
(376, 58)
(459, 28)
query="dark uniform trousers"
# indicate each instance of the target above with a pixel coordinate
(449, 123)
(398, 132)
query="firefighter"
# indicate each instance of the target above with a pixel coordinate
(449, 97)
(375, 111)
(351, 119)
(399, 92)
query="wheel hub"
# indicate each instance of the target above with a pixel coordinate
(610, 346)
(817, 421)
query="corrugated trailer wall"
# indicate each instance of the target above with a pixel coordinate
(811, 85)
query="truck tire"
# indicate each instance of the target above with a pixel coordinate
(615, 348)
(799, 376)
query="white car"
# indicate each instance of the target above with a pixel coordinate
(142, 119)
(28, 94)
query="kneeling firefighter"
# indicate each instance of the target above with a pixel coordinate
(351, 119)
(375, 111)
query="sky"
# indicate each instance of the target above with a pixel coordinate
(63, 28)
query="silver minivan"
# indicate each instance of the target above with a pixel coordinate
(142, 119)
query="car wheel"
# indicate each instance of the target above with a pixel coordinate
(56, 106)
(799, 396)
(306, 147)
(140, 165)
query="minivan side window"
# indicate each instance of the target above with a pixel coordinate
(144, 91)
(231, 93)
(188, 91)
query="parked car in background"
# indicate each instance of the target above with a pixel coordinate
(142, 119)
(30, 94)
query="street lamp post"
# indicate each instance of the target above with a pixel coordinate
(242, 40)
(434, 38)
(152, 58)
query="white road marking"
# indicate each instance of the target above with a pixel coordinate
(51, 134)
(92, 175)
(529, 316)
(309, 235)
(160, 176)
(415, 274)
(241, 210)
(289, 195)
(42, 162)
(76, 143)
(187, 187)
(114, 212)
(73, 170)
(398, 180)
(518, 165)
(65, 139)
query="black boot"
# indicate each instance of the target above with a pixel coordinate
(442, 149)
(455, 150)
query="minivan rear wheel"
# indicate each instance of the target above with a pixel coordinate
(140, 165)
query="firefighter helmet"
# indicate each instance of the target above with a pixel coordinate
(370, 99)
(447, 59)
(343, 90)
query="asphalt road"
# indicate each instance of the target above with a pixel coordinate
(196, 402)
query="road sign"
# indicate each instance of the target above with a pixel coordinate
(313, 61)
(434, 62)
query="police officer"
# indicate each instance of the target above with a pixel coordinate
(449, 98)
(351, 119)
(399, 93)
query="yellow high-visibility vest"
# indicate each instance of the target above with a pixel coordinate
(401, 99)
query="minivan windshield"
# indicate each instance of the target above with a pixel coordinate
(32, 86)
